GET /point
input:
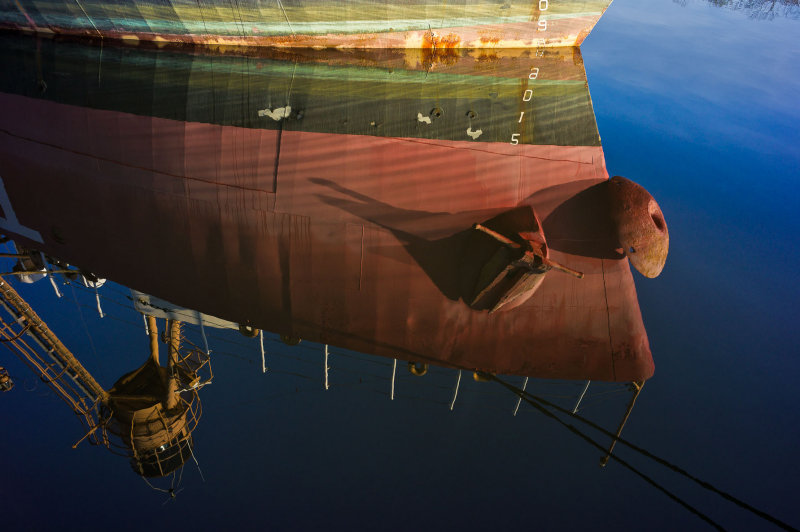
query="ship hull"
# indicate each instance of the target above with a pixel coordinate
(357, 252)
(309, 23)
(344, 221)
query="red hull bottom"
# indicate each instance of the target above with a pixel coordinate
(333, 238)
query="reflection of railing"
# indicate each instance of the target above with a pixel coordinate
(427, 381)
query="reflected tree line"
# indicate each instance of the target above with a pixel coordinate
(759, 9)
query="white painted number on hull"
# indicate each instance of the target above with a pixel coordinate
(543, 6)
(527, 96)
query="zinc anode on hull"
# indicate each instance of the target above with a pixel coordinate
(309, 23)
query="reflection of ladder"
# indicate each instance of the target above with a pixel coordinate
(25, 334)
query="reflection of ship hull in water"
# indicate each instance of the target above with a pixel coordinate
(353, 240)
(307, 23)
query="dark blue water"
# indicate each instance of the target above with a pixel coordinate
(699, 104)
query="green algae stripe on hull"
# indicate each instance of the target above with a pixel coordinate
(445, 103)
(360, 23)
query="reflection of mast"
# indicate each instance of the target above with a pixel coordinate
(152, 410)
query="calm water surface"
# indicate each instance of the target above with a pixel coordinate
(699, 105)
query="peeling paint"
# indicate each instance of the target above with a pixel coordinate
(277, 114)
(423, 119)
(474, 134)
(432, 40)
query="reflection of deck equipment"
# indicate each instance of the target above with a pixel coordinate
(6, 384)
(150, 412)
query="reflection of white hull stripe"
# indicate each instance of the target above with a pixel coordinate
(260, 29)
(10, 222)
(153, 306)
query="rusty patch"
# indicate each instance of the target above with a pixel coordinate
(581, 36)
(577, 57)
(641, 228)
(457, 38)
(449, 41)
(440, 50)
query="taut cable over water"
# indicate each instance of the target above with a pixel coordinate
(540, 403)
